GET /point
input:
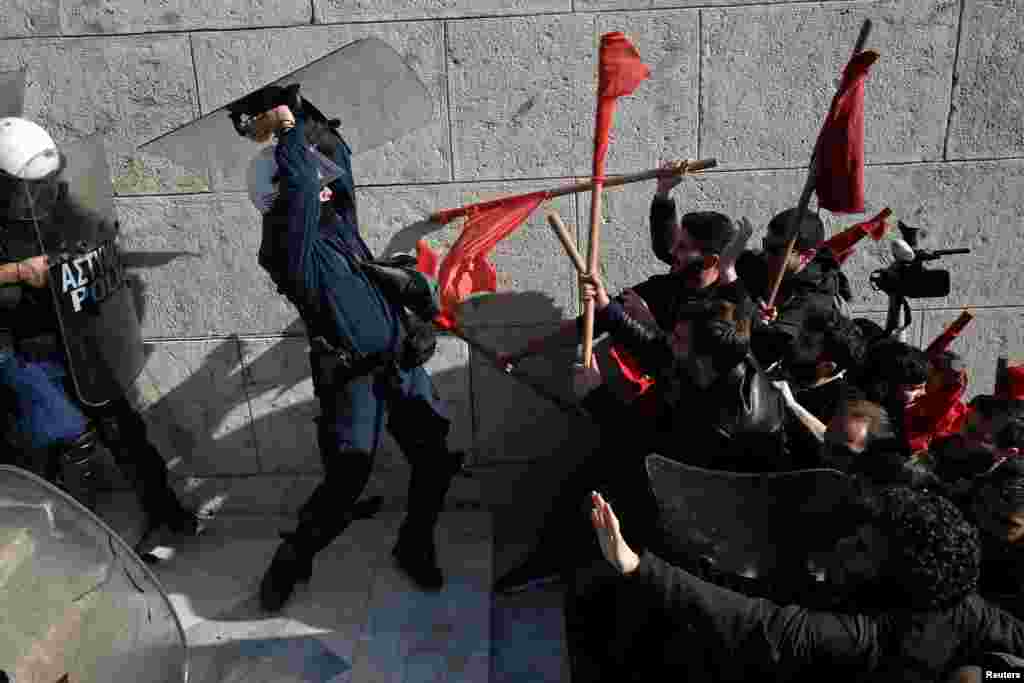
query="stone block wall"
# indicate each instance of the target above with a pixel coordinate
(226, 389)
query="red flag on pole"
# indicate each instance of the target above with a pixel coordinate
(620, 72)
(842, 245)
(949, 335)
(465, 269)
(839, 170)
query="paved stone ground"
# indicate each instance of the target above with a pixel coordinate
(359, 620)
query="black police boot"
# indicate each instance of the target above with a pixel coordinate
(291, 565)
(416, 555)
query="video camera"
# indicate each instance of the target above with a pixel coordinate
(907, 277)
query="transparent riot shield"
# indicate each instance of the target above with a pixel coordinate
(77, 604)
(76, 225)
(366, 85)
(12, 93)
(751, 524)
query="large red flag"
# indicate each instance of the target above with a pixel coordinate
(620, 72)
(839, 167)
(465, 269)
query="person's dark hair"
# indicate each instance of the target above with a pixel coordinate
(891, 363)
(811, 231)
(1005, 483)
(831, 336)
(712, 230)
(871, 331)
(934, 552)
(1010, 434)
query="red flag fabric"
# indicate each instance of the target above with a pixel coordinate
(427, 262)
(935, 416)
(839, 166)
(465, 269)
(631, 369)
(949, 335)
(842, 245)
(620, 72)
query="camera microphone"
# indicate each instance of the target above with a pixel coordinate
(901, 251)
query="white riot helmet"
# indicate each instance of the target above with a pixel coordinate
(29, 168)
(262, 176)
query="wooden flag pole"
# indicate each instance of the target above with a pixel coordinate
(682, 167)
(805, 196)
(555, 221)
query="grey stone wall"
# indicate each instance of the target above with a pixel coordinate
(226, 389)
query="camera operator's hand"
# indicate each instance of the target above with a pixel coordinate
(271, 122)
(35, 271)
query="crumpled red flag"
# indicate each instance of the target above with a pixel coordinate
(935, 416)
(842, 245)
(839, 167)
(942, 342)
(620, 72)
(631, 369)
(465, 269)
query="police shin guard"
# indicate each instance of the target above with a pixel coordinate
(415, 551)
(76, 468)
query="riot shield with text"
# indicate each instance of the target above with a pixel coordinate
(366, 85)
(99, 325)
(78, 605)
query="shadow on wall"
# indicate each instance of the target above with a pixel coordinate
(236, 419)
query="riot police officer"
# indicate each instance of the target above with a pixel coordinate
(312, 250)
(57, 395)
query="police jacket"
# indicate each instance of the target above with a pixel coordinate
(757, 639)
(312, 251)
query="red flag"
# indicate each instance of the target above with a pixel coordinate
(465, 269)
(620, 72)
(446, 216)
(427, 262)
(839, 168)
(842, 244)
(942, 342)
(935, 416)
(631, 369)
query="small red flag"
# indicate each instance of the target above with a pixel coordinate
(842, 245)
(935, 416)
(839, 168)
(949, 335)
(465, 269)
(620, 72)
(631, 369)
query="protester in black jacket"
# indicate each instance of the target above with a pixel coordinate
(907, 608)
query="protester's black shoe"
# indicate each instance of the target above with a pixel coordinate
(417, 557)
(535, 572)
(288, 568)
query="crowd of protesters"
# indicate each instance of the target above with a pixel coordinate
(926, 586)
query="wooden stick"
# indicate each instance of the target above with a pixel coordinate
(805, 196)
(593, 249)
(555, 221)
(587, 186)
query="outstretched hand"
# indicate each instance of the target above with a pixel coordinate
(667, 182)
(613, 546)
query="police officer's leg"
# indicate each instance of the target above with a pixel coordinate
(46, 426)
(123, 431)
(420, 425)
(348, 431)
